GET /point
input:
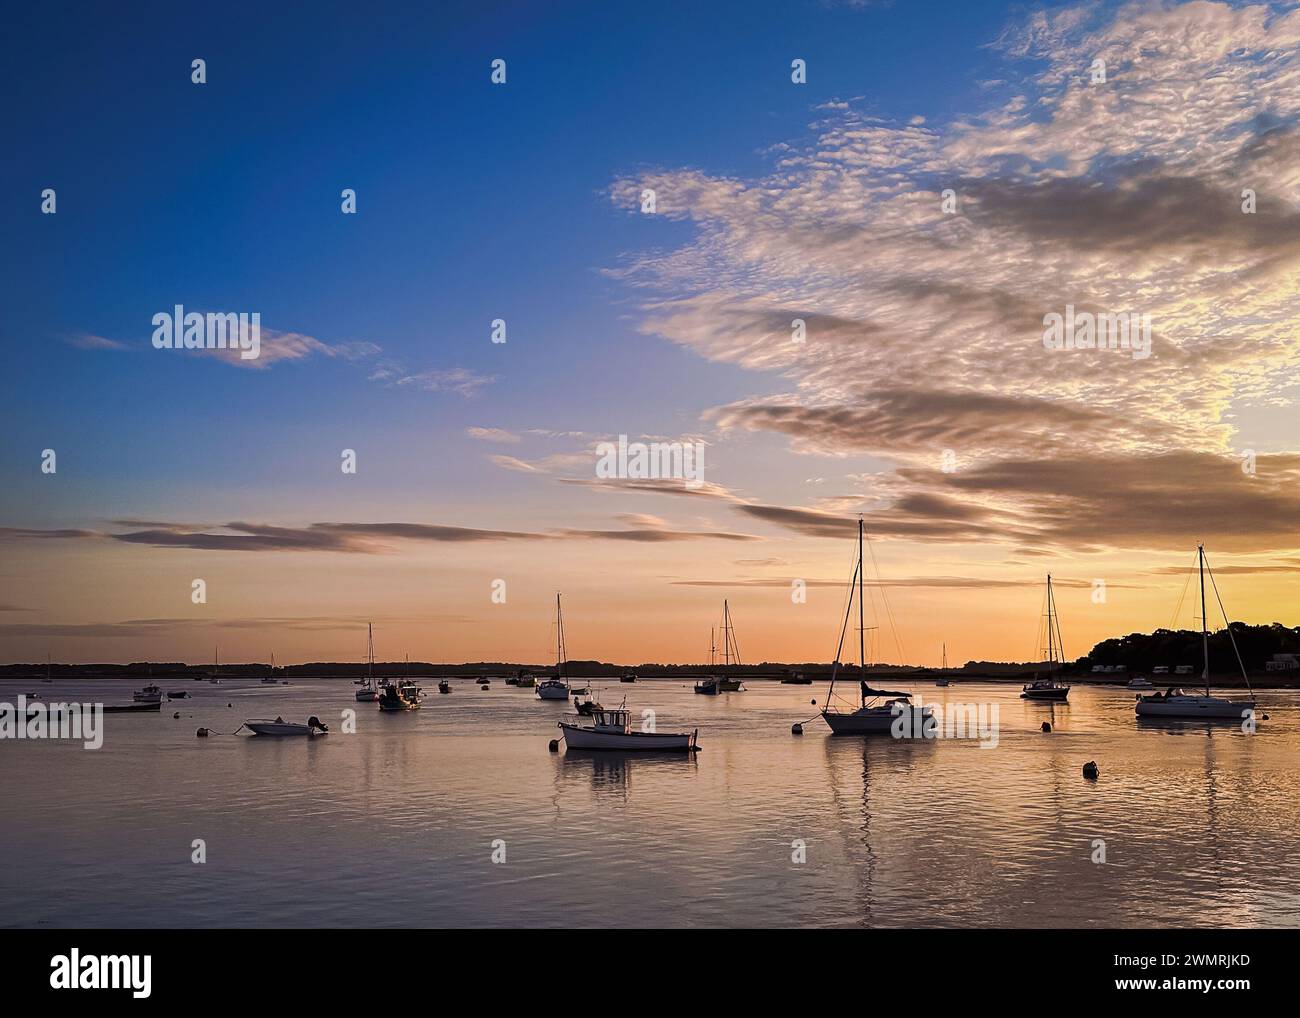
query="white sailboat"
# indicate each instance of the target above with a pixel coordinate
(872, 716)
(558, 687)
(1175, 703)
(1046, 687)
(368, 693)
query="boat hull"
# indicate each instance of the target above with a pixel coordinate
(654, 742)
(552, 693)
(730, 686)
(279, 728)
(1194, 708)
(1050, 695)
(877, 721)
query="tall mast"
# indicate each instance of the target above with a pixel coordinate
(713, 647)
(1051, 645)
(726, 633)
(559, 638)
(1205, 633)
(862, 618)
(370, 653)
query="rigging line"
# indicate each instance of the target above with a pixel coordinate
(835, 666)
(1187, 582)
(889, 612)
(1240, 664)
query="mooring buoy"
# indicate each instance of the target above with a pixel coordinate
(1090, 770)
(796, 729)
(1047, 726)
(554, 746)
(202, 733)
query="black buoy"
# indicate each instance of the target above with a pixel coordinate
(1090, 770)
(796, 729)
(813, 702)
(230, 705)
(176, 715)
(202, 733)
(1047, 726)
(554, 746)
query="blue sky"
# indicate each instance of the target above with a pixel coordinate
(479, 202)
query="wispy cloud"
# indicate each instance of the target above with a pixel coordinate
(924, 329)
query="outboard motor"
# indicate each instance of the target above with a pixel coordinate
(315, 722)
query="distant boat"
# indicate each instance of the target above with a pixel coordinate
(368, 693)
(797, 680)
(150, 694)
(1175, 703)
(870, 718)
(707, 687)
(216, 668)
(725, 684)
(279, 726)
(1047, 688)
(47, 678)
(627, 677)
(526, 681)
(610, 730)
(512, 680)
(133, 708)
(943, 680)
(178, 694)
(558, 687)
(587, 707)
(1139, 682)
(444, 686)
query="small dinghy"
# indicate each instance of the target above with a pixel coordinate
(279, 726)
(444, 686)
(610, 730)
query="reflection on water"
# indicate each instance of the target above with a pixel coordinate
(395, 825)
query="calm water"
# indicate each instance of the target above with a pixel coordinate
(394, 825)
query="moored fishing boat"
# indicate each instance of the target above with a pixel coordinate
(1177, 704)
(871, 716)
(610, 730)
(150, 694)
(1046, 687)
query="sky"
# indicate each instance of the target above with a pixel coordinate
(945, 177)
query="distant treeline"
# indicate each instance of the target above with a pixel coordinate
(1137, 652)
(1141, 652)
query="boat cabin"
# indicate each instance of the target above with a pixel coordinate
(614, 720)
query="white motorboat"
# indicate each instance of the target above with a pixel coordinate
(368, 693)
(558, 687)
(871, 717)
(150, 694)
(261, 726)
(1045, 687)
(1175, 702)
(1139, 682)
(609, 730)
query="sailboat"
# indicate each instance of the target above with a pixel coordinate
(271, 680)
(729, 685)
(709, 686)
(47, 678)
(1174, 702)
(943, 680)
(558, 687)
(216, 667)
(1048, 688)
(870, 718)
(368, 693)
